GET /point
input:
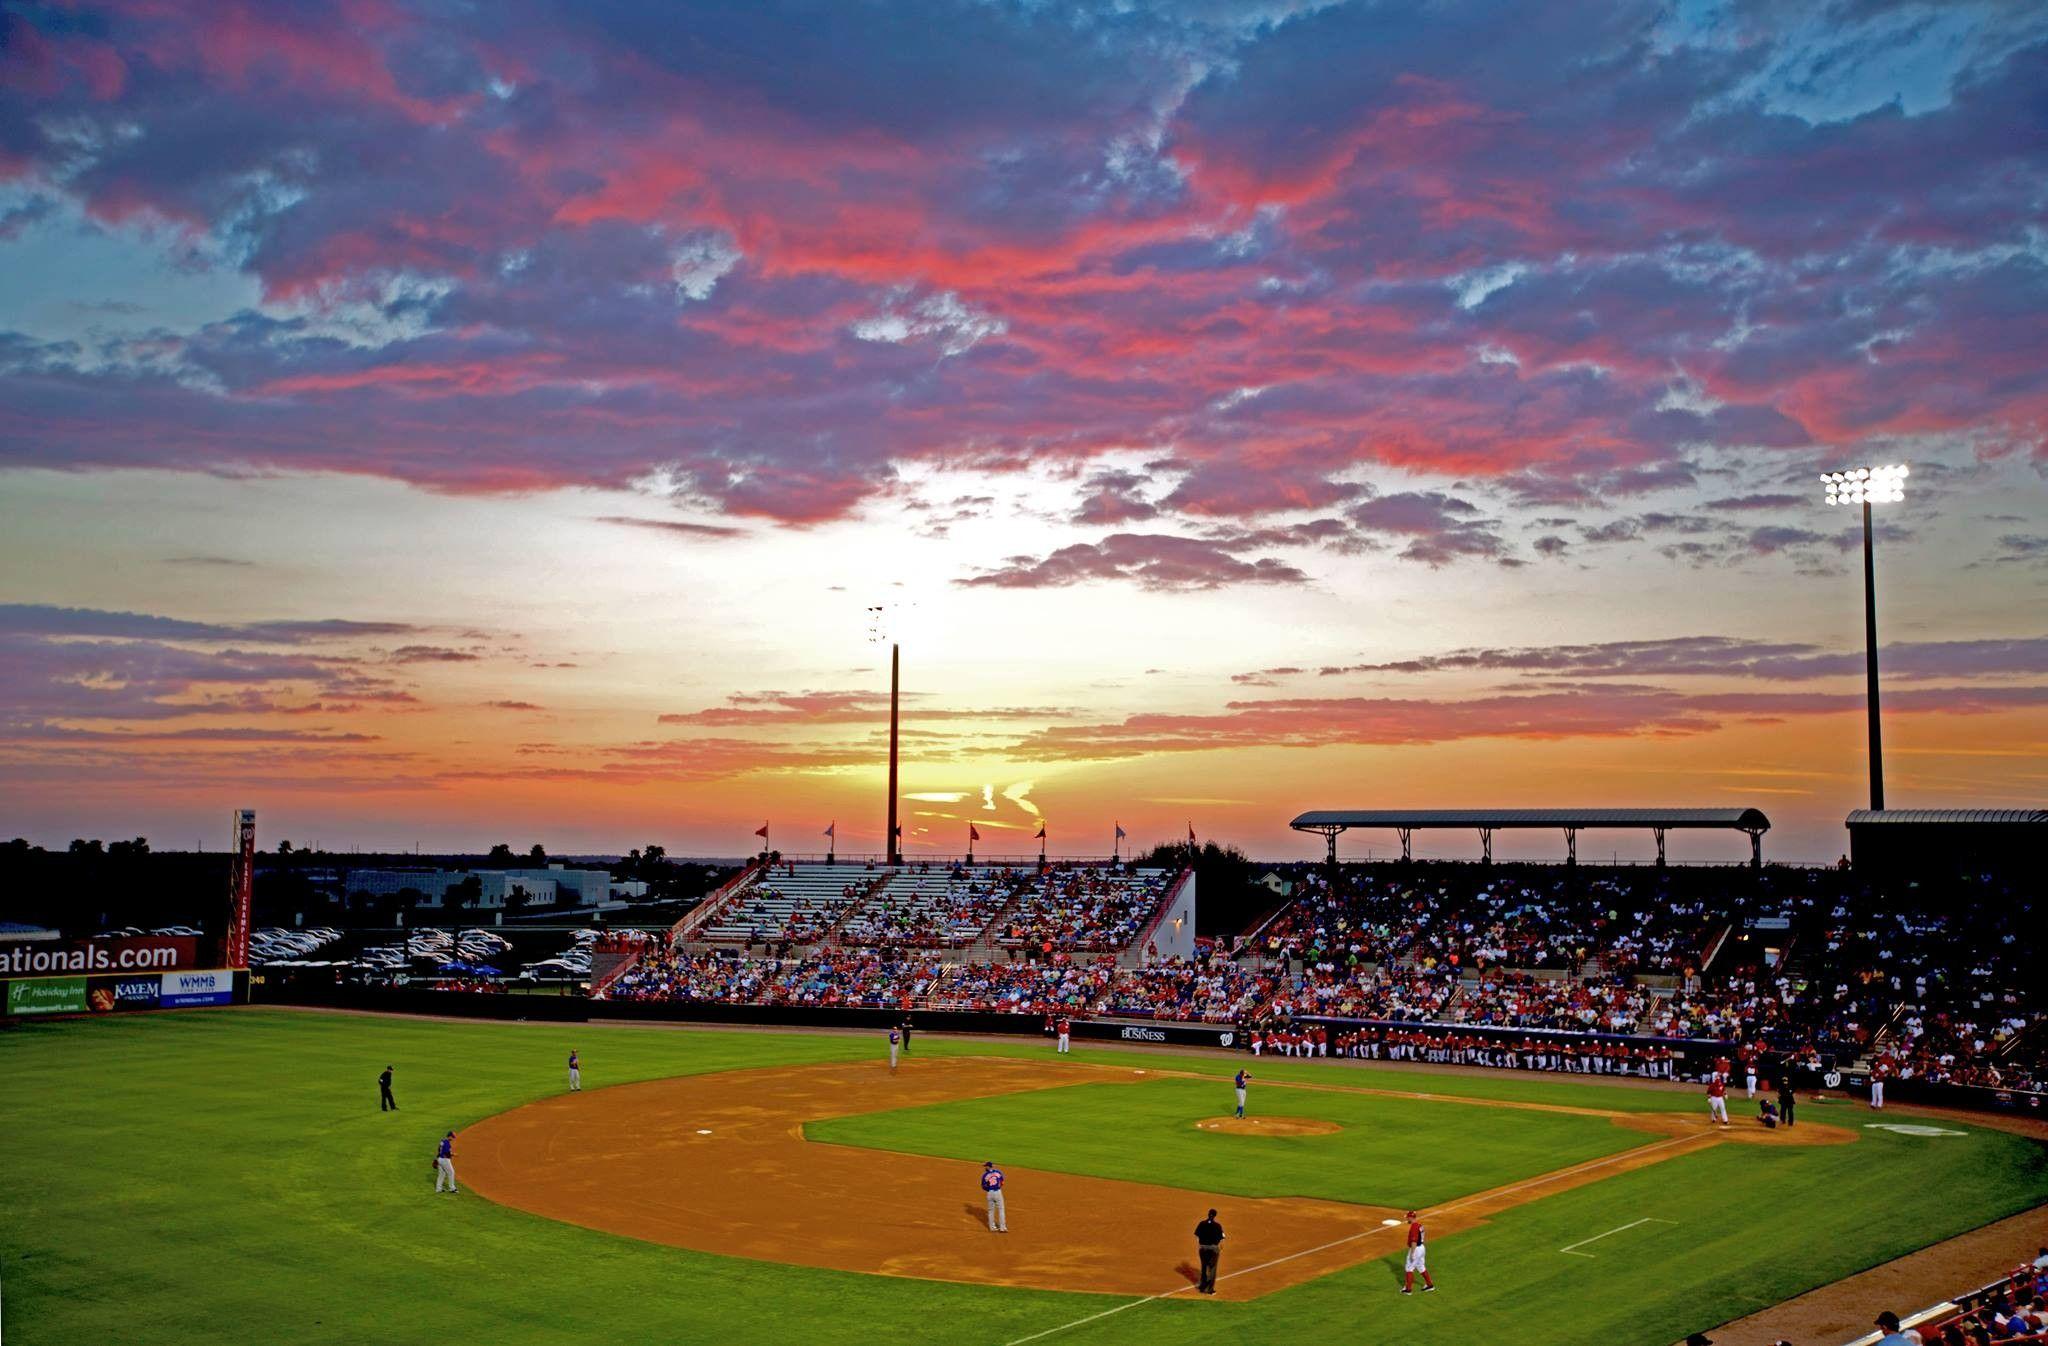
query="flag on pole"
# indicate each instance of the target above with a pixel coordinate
(1120, 833)
(1041, 833)
(1191, 834)
(973, 833)
(833, 830)
(761, 831)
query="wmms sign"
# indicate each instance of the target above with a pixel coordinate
(198, 988)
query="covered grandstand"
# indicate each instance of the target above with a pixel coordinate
(1914, 843)
(1405, 822)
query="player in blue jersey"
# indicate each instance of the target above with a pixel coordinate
(444, 1164)
(895, 1041)
(1243, 1078)
(992, 1196)
(575, 1072)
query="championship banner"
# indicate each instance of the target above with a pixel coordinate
(241, 889)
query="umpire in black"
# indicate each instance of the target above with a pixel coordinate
(385, 1102)
(1208, 1243)
(1786, 1098)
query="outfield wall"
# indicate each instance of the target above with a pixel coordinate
(1694, 1056)
(36, 997)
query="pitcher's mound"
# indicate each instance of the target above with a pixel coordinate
(1270, 1126)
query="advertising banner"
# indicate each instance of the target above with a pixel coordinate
(1162, 1032)
(138, 992)
(183, 989)
(142, 953)
(52, 995)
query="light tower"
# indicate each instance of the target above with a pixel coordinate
(880, 627)
(1867, 486)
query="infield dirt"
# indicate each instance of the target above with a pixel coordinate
(719, 1163)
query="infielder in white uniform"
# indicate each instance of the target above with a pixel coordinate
(992, 1195)
(575, 1071)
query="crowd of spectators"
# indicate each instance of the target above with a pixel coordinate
(1096, 908)
(2013, 1308)
(876, 978)
(935, 907)
(1932, 985)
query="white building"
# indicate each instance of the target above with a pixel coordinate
(555, 886)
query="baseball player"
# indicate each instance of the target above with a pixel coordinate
(1878, 1075)
(1418, 1257)
(385, 1102)
(895, 1041)
(992, 1196)
(1065, 1027)
(1749, 1070)
(1717, 1098)
(444, 1164)
(1244, 1077)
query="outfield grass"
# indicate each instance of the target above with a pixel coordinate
(1146, 1133)
(225, 1175)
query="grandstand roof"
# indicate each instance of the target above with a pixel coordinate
(1745, 820)
(1952, 817)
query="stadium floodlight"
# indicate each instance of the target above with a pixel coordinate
(1867, 486)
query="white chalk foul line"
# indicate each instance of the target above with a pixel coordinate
(1648, 1219)
(1562, 1173)
(1183, 1289)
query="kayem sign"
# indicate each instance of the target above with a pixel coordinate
(182, 989)
(52, 995)
(145, 953)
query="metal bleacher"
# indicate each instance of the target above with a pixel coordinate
(940, 906)
(799, 906)
(979, 911)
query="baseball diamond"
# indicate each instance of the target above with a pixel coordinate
(756, 1186)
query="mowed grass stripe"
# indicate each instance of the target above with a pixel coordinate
(226, 1173)
(1391, 1152)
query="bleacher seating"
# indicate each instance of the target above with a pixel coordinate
(789, 904)
(1805, 964)
(935, 906)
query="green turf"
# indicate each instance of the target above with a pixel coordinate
(1147, 1133)
(225, 1176)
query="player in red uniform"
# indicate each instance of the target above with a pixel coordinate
(1418, 1257)
(1717, 1098)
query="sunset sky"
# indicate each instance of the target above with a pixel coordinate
(445, 424)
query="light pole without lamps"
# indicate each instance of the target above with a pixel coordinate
(1867, 486)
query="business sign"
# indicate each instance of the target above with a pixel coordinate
(51, 995)
(184, 989)
(141, 953)
(1161, 1032)
(138, 992)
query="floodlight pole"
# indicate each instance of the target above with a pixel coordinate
(895, 843)
(1870, 663)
